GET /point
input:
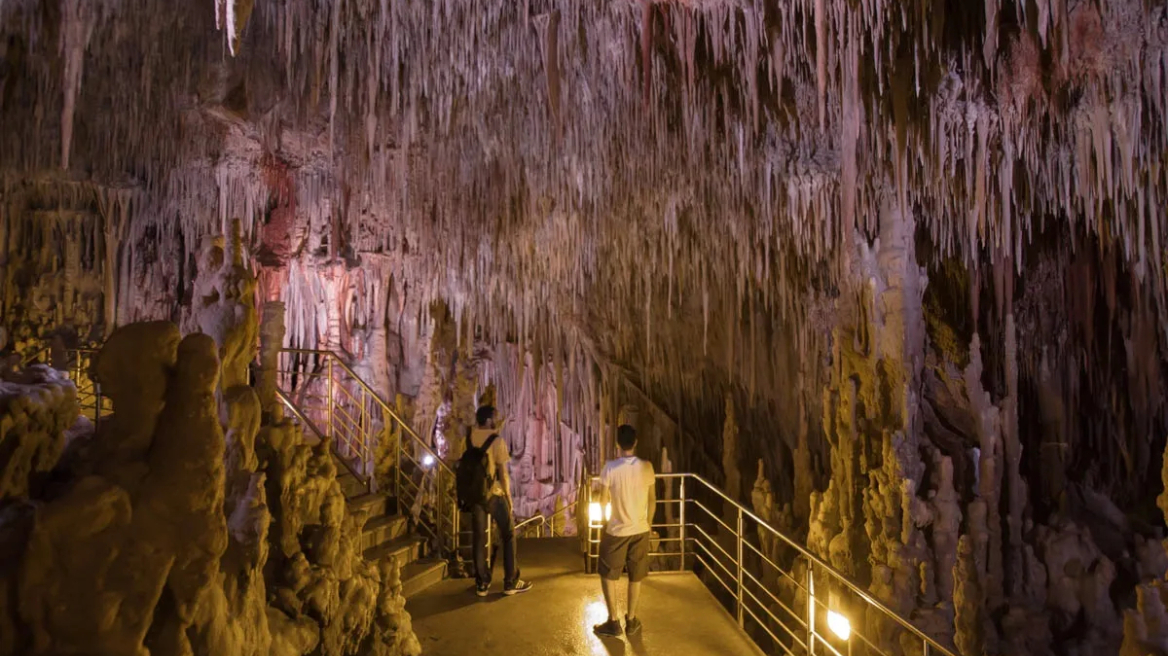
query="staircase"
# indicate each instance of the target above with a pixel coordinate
(409, 518)
(386, 534)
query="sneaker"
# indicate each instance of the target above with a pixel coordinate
(610, 629)
(516, 587)
(481, 589)
(632, 626)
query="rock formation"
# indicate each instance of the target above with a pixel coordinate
(918, 246)
(39, 408)
(169, 532)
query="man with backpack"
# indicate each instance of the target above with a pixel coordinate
(484, 490)
(629, 484)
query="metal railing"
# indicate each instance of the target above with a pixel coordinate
(544, 526)
(538, 522)
(78, 363)
(779, 592)
(548, 526)
(364, 428)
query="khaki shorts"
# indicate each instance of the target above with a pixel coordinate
(617, 553)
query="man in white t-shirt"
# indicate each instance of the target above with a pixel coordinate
(629, 484)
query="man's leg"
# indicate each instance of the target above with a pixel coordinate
(608, 586)
(638, 565)
(610, 564)
(506, 525)
(478, 523)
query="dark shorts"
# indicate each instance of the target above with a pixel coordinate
(618, 553)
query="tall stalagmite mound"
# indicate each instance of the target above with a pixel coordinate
(169, 530)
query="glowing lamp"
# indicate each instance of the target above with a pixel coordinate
(594, 513)
(427, 460)
(839, 625)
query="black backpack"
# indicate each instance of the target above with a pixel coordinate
(472, 481)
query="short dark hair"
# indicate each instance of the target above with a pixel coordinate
(626, 437)
(485, 414)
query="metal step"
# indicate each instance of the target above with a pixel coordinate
(382, 529)
(404, 550)
(418, 576)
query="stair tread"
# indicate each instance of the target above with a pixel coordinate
(381, 521)
(397, 545)
(420, 568)
(419, 575)
(367, 499)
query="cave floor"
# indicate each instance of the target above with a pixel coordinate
(555, 618)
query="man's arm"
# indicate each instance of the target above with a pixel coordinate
(503, 471)
(652, 510)
(604, 497)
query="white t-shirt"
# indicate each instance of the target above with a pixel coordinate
(497, 455)
(628, 480)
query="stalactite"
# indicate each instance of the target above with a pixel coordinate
(77, 23)
(671, 170)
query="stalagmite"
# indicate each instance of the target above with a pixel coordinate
(968, 600)
(271, 341)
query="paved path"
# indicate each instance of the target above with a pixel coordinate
(555, 618)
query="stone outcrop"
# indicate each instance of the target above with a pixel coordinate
(38, 407)
(168, 532)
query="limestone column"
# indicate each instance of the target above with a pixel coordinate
(271, 341)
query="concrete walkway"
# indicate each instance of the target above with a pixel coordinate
(555, 618)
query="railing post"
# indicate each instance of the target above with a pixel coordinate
(681, 520)
(438, 508)
(329, 401)
(810, 609)
(741, 537)
(401, 433)
(456, 526)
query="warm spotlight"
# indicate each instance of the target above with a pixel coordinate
(594, 516)
(594, 513)
(839, 625)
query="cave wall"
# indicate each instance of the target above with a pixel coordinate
(683, 213)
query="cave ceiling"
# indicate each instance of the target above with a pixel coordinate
(559, 170)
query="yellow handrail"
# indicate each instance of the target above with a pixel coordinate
(737, 587)
(300, 415)
(89, 397)
(35, 357)
(353, 427)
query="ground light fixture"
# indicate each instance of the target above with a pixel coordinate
(427, 460)
(839, 625)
